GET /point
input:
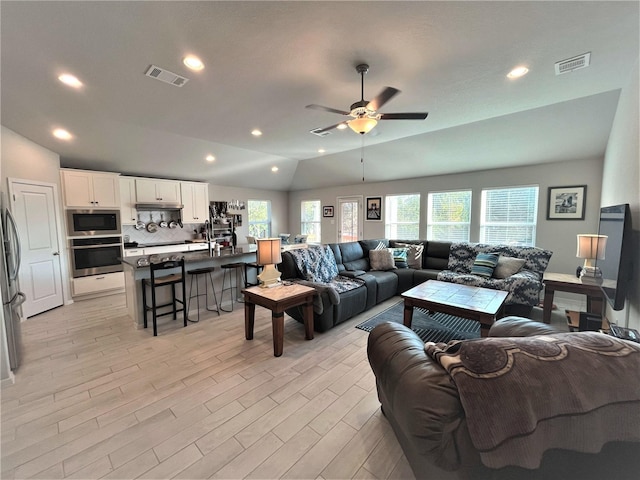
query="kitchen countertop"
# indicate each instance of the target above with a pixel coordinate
(189, 257)
(164, 244)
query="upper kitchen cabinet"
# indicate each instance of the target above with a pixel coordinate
(84, 189)
(195, 198)
(128, 212)
(151, 190)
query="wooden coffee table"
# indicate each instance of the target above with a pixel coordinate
(278, 299)
(474, 303)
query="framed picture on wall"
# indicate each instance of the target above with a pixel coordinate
(327, 211)
(567, 203)
(374, 209)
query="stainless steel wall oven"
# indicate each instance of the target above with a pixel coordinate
(96, 255)
(93, 222)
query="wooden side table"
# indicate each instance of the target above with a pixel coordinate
(570, 283)
(278, 299)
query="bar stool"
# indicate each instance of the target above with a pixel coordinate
(246, 273)
(229, 269)
(157, 282)
(195, 274)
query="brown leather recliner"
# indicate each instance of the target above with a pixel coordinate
(422, 404)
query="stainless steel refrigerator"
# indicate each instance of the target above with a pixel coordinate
(12, 297)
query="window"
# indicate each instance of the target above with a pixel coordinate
(310, 220)
(509, 215)
(259, 213)
(449, 216)
(402, 216)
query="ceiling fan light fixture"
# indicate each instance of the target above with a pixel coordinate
(342, 126)
(362, 125)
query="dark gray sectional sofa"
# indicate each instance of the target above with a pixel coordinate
(352, 259)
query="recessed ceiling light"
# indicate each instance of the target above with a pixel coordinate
(210, 158)
(256, 132)
(274, 169)
(342, 126)
(518, 72)
(193, 62)
(321, 150)
(62, 134)
(70, 80)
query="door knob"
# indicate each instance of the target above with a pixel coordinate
(56, 253)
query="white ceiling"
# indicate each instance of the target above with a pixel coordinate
(266, 60)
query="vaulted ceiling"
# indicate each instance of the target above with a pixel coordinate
(265, 61)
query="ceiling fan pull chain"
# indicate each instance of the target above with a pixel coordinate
(362, 157)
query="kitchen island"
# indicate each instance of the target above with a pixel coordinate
(136, 268)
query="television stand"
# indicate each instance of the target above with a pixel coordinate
(570, 283)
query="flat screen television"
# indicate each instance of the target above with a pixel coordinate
(615, 223)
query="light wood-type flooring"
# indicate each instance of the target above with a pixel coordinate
(96, 398)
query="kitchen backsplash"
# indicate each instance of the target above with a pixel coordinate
(162, 235)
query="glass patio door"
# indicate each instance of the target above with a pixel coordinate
(350, 223)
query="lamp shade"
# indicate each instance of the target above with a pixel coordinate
(591, 246)
(362, 125)
(268, 251)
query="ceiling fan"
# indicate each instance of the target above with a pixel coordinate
(365, 113)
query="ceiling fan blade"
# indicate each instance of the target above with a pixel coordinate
(313, 106)
(317, 131)
(383, 97)
(404, 116)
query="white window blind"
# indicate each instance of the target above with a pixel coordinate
(449, 216)
(402, 216)
(259, 214)
(310, 220)
(509, 215)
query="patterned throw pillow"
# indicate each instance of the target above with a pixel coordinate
(381, 260)
(414, 254)
(484, 264)
(380, 246)
(507, 266)
(399, 257)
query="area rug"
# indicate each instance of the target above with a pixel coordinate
(430, 327)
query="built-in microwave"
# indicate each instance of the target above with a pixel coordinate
(93, 222)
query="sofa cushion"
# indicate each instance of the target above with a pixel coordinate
(436, 255)
(507, 266)
(484, 264)
(381, 260)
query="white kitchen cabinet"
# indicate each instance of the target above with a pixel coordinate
(152, 190)
(195, 198)
(85, 189)
(128, 212)
(98, 283)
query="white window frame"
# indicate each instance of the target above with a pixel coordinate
(431, 223)
(316, 224)
(391, 217)
(531, 223)
(253, 223)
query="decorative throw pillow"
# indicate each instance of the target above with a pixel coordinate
(399, 257)
(380, 246)
(381, 260)
(507, 266)
(484, 264)
(414, 254)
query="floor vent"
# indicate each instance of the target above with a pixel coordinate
(575, 63)
(319, 132)
(166, 76)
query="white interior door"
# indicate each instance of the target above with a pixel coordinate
(350, 223)
(40, 273)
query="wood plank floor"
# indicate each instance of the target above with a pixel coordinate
(96, 398)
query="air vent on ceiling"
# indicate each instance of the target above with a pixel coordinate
(319, 132)
(575, 63)
(166, 76)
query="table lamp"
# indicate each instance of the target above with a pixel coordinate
(591, 247)
(268, 255)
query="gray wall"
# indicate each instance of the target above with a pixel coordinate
(621, 184)
(556, 235)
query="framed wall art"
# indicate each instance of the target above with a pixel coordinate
(567, 203)
(327, 211)
(374, 209)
